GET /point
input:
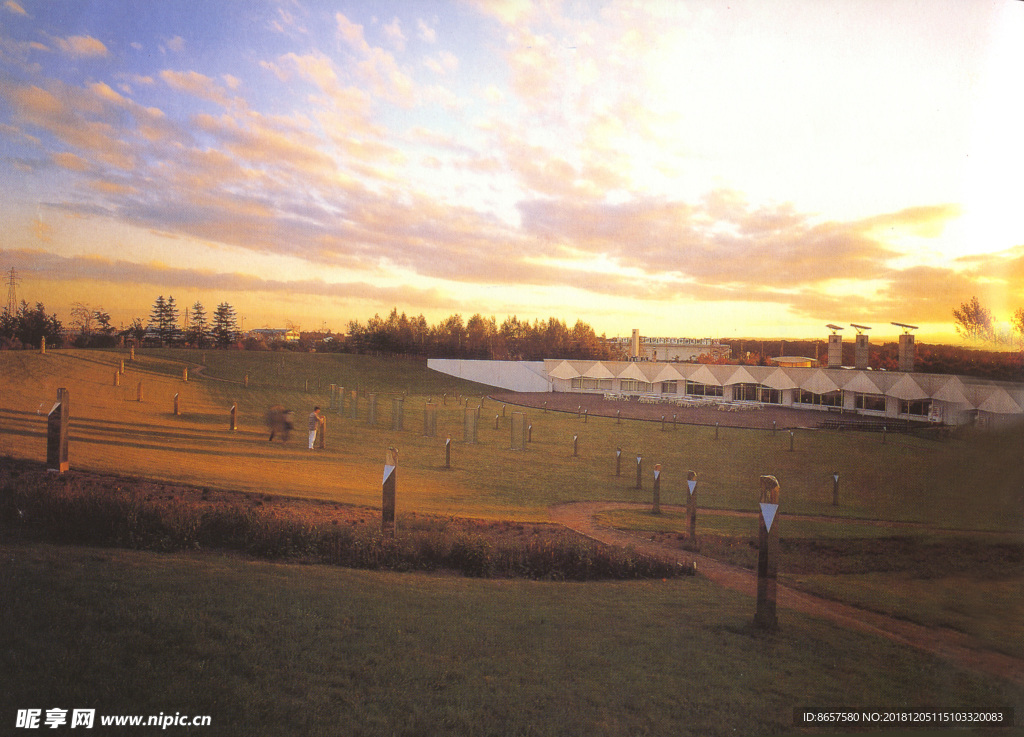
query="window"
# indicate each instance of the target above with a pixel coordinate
(920, 407)
(756, 393)
(695, 389)
(634, 385)
(582, 382)
(828, 399)
(669, 387)
(869, 402)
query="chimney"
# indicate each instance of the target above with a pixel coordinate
(835, 347)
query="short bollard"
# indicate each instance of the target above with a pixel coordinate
(397, 413)
(691, 504)
(470, 418)
(388, 490)
(117, 379)
(496, 421)
(618, 461)
(656, 505)
(768, 554)
(138, 393)
(430, 420)
(371, 409)
(586, 414)
(42, 345)
(447, 452)
(234, 416)
(790, 441)
(663, 423)
(835, 489)
(184, 374)
(176, 412)
(529, 433)
(618, 417)
(57, 422)
(639, 472)
(716, 431)
(575, 445)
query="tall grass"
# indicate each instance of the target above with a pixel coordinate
(40, 506)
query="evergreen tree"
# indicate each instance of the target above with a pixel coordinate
(199, 330)
(224, 325)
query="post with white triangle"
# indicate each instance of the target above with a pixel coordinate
(691, 505)
(768, 555)
(387, 508)
(656, 506)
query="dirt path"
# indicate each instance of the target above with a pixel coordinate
(949, 644)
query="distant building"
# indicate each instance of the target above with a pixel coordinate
(287, 334)
(642, 348)
(795, 361)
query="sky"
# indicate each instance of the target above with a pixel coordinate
(689, 168)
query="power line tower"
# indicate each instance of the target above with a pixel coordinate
(12, 291)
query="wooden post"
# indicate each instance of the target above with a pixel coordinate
(835, 489)
(371, 409)
(121, 369)
(234, 417)
(42, 345)
(138, 393)
(768, 554)
(496, 422)
(246, 381)
(117, 379)
(131, 353)
(716, 431)
(176, 412)
(397, 413)
(656, 507)
(430, 420)
(388, 489)
(790, 441)
(691, 504)
(663, 423)
(529, 433)
(586, 414)
(448, 453)
(57, 422)
(639, 472)
(469, 422)
(321, 431)
(184, 374)
(575, 446)
(618, 461)
(618, 416)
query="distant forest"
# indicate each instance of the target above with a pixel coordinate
(478, 337)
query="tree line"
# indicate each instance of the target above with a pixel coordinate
(478, 337)
(27, 326)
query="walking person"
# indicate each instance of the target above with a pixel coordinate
(314, 425)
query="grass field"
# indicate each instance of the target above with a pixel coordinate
(273, 649)
(629, 658)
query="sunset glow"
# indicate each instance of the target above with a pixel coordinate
(686, 168)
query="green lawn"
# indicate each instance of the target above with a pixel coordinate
(271, 649)
(969, 483)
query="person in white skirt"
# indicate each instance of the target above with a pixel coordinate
(314, 425)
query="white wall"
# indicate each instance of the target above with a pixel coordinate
(518, 376)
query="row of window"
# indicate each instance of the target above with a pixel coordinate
(759, 393)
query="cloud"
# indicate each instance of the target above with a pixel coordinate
(175, 44)
(393, 33)
(81, 46)
(444, 63)
(15, 8)
(118, 272)
(425, 32)
(196, 84)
